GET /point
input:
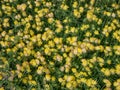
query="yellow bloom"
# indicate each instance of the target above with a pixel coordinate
(64, 7)
(60, 80)
(69, 85)
(96, 32)
(84, 62)
(74, 70)
(32, 82)
(92, 2)
(30, 77)
(21, 7)
(109, 62)
(74, 83)
(117, 69)
(88, 34)
(53, 78)
(83, 80)
(8, 50)
(3, 33)
(70, 78)
(99, 21)
(56, 40)
(50, 20)
(48, 77)
(76, 13)
(81, 9)
(40, 70)
(107, 82)
(33, 89)
(6, 22)
(20, 74)
(24, 80)
(2, 88)
(37, 3)
(47, 51)
(48, 4)
(106, 71)
(117, 84)
(51, 43)
(33, 62)
(75, 4)
(1, 77)
(47, 87)
(108, 13)
(112, 71)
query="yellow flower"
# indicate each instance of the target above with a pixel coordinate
(58, 30)
(20, 74)
(51, 43)
(96, 32)
(2, 88)
(99, 21)
(106, 71)
(70, 78)
(44, 36)
(33, 89)
(31, 32)
(112, 71)
(47, 87)
(83, 80)
(67, 70)
(74, 70)
(3, 33)
(92, 2)
(117, 69)
(1, 77)
(37, 3)
(53, 78)
(81, 9)
(56, 40)
(108, 13)
(88, 34)
(40, 70)
(33, 62)
(69, 85)
(6, 22)
(21, 7)
(75, 4)
(118, 88)
(8, 50)
(64, 7)
(48, 4)
(74, 84)
(107, 82)
(50, 20)
(60, 80)
(48, 77)
(84, 62)
(117, 84)
(64, 55)
(30, 77)
(88, 83)
(47, 51)
(32, 82)
(76, 13)
(109, 62)
(24, 80)
(82, 74)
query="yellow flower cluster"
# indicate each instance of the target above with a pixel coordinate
(60, 45)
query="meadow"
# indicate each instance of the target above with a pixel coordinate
(59, 44)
